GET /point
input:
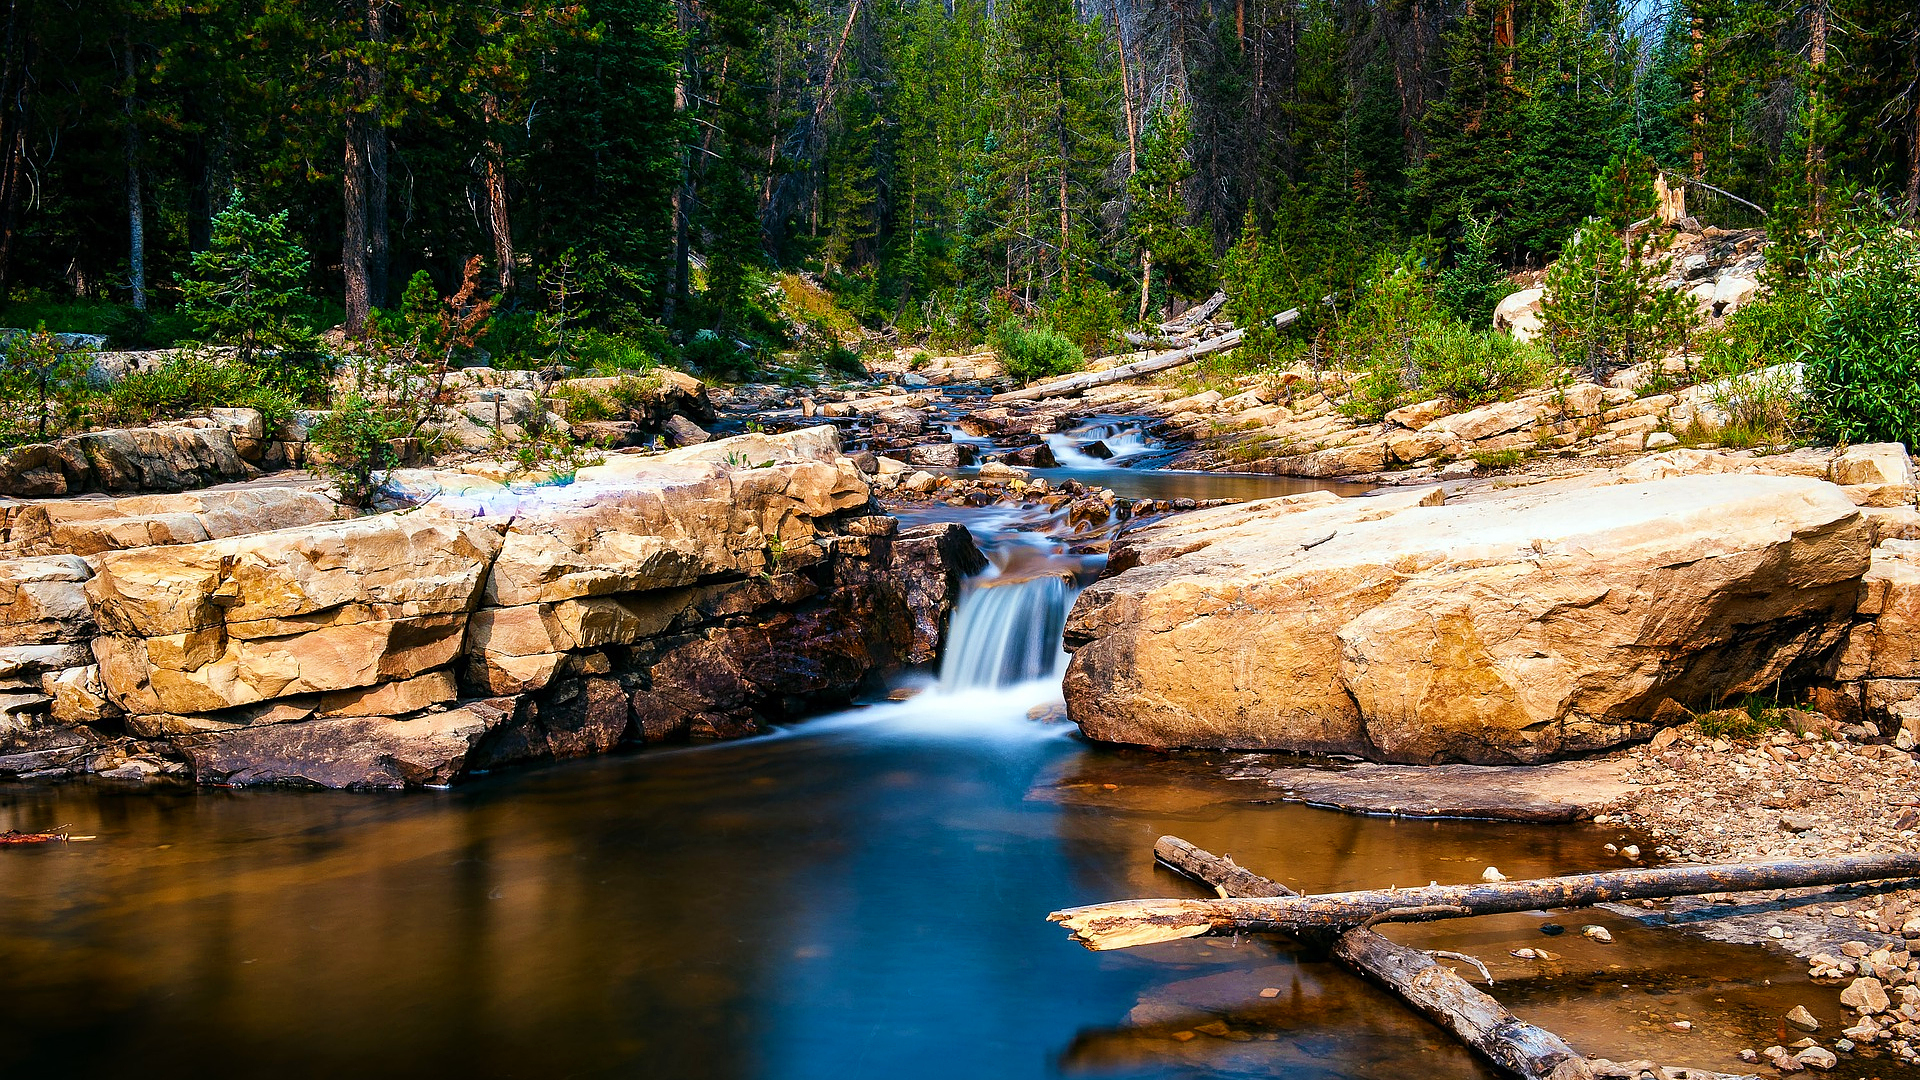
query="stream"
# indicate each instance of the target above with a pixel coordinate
(856, 895)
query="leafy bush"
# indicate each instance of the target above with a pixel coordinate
(352, 446)
(1037, 353)
(189, 383)
(1473, 367)
(719, 357)
(1863, 340)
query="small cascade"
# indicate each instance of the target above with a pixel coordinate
(1123, 440)
(1006, 633)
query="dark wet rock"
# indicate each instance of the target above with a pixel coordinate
(683, 431)
(1097, 449)
(362, 752)
(930, 563)
(1036, 456)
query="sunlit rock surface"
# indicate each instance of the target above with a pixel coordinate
(1518, 626)
(698, 592)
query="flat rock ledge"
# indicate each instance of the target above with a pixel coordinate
(249, 636)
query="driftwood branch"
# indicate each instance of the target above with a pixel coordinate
(1517, 1047)
(1145, 922)
(1073, 384)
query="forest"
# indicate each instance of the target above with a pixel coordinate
(647, 168)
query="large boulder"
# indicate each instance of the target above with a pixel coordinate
(201, 627)
(1519, 627)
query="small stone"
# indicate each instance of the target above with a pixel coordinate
(1602, 935)
(1269, 991)
(1552, 929)
(1631, 851)
(1799, 1017)
(1798, 823)
(1749, 1055)
(1681, 1025)
(1817, 1056)
(1855, 949)
(1781, 1059)
(1611, 849)
(1524, 954)
(1845, 1046)
(1492, 873)
(1776, 933)
(1866, 995)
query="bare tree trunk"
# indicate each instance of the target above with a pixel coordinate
(1699, 32)
(1816, 110)
(136, 212)
(496, 188)
(1126, 92)
(1146, 281)
(677, 279)
(379, 241)
(1913, 142)
(353, 237)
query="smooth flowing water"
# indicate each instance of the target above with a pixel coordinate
(857, 896)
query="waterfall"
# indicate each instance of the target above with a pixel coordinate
(1005, 633)
(1124, 439)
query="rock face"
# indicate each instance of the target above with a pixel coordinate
(698, 592)
(171, 457)
(1519, 627)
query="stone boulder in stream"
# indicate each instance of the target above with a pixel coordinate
(1518, 626)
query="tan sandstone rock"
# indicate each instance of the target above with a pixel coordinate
(1516, 627)
(201, 627)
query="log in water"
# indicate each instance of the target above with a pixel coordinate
(1144, 922)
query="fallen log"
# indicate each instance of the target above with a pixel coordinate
(1431, 989)
(1089, 379)
(60, 835)
(1193, 317)
(1145, 922)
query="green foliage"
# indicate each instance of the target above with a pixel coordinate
(1605, 305)
(1036, 353)
(1473, 367)
(38, 372)
(188, 383)
(352, 446)
(1259, 281)
(1863, 341)
(246, 288)
(1087, 313)
(1473, 286)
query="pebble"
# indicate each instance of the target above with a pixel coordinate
(1631, 851)
(1492, 873)
(1818, 1057)
(1552, 929)
(1598, 933)
(1799, 1017)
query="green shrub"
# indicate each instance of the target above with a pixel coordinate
(1863, 341)
(1606, 306)
(188, 384)
(718, 357)
(352, 446)
(37, 372)
(1471, 288)
(1036, 353)
(1473, 367)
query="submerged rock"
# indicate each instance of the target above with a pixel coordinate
(1521, 627)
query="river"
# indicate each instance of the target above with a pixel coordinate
(860, 895)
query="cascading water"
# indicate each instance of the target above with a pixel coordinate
(1123, 439)
(1006, 633)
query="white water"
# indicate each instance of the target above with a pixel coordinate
(1124, 438)
(1006, 633)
